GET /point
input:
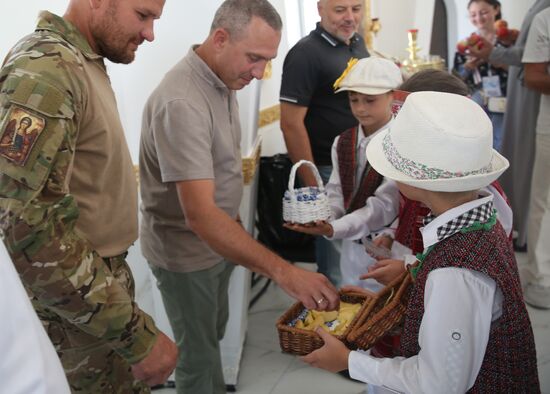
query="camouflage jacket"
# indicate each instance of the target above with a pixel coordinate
(41, 105)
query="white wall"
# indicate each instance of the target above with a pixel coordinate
(179, 28)
(22, 19)
(392, 38)
(270, 87)
(175, 32)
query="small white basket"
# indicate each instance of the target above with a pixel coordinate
(306, 204)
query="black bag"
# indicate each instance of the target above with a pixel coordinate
(291, 245)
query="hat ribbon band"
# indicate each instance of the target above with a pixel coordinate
(421, 171)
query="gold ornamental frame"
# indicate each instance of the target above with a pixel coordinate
(371, 25)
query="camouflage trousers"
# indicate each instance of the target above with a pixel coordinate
(91, 365)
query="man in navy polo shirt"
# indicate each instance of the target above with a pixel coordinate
(312, 115)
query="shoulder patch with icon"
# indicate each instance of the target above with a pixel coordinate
(19, 133)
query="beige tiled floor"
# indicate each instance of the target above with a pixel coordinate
(265, 370)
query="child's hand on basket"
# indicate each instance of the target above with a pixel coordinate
(319, 227)
(333, 356)
(384, 271)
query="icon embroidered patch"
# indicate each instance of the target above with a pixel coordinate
(19, 134)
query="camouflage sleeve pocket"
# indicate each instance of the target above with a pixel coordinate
(34, 118)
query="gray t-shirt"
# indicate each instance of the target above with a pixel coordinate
(191, 131)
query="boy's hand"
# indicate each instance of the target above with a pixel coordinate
(319, 227)
(384, 271)
(333, 356)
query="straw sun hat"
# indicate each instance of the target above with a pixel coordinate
(438, 142)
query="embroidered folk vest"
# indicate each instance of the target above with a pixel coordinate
(510, 364)
(347, 165)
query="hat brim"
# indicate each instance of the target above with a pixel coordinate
(377, 159)
(371, 91)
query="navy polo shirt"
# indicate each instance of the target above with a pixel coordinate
(309, 71)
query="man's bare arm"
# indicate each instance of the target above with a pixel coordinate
(537, 77)
(225, 236)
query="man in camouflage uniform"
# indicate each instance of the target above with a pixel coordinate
(68, 194)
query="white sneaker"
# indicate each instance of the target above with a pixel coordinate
(537, 296)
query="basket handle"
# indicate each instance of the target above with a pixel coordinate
(295, 167)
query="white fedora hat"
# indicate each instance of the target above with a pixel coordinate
(371, 75)
(438, 142)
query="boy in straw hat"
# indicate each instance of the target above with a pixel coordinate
(466, 326)
(361, 200)
(404, 237)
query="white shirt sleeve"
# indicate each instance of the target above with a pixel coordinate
(453, 336)
(380, 210)
(504, 212)
(390, 230)
(334, 186)
(538, 41)
(29, 363)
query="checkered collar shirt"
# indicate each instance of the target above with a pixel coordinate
(438, 228)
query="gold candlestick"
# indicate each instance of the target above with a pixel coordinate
(413, 48)
(415, 62)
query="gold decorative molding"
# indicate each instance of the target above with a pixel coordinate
(252, 162)
(371, 25)
(268, 71)
(136, 172)
(269, 115)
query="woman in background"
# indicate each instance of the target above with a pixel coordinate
(487, 81)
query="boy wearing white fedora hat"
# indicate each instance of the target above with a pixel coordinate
(403, 237)
(466, 326)
(361, 200)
